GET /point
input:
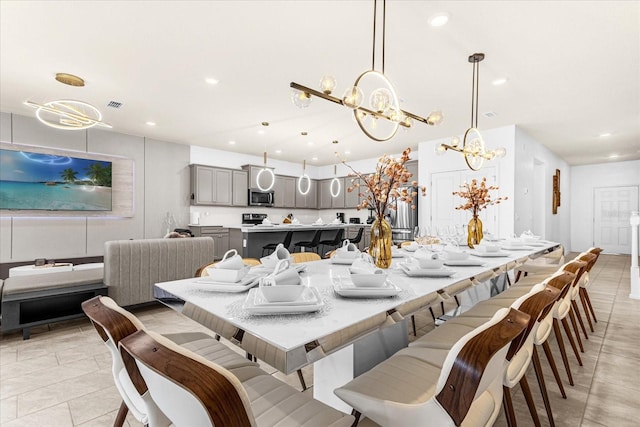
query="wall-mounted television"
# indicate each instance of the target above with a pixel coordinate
(35, 181)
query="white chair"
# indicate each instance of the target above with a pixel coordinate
(193, 391)
(462, 386)
(546, 264)
(113, 323)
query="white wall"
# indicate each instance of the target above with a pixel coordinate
(160, 186)
(584, 179)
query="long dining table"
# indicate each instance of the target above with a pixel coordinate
(343, 337)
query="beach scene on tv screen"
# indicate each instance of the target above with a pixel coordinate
(35, 181)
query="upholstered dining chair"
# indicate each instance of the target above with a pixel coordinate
(202, 271)
(584, 285)
(299, 257)
(460, 386)
(545, 264)
(113, 324)
(193, 391)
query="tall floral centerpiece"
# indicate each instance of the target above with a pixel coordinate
(377, 190)
(478, 198)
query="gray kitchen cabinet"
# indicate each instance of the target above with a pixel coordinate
(325, 200)
(351, 199)
(219, 235)
(240, 188)
(309, 200)
(211, 186)
(254, 171)
(412, 166)
(284, 192)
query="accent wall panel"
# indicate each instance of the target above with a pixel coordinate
(29, 131)
(5, 127)
(52, 238)
(5, 239)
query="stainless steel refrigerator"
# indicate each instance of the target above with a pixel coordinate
(404, 218)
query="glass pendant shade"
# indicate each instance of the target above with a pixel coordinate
(435, 118)
(353, 97)
(327, 84)
(300, 99)
(380, 100)
(501, 152)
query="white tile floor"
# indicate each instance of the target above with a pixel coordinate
(61, 376)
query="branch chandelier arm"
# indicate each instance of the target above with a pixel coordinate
(384, 101)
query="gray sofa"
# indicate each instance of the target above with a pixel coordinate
(131, 267)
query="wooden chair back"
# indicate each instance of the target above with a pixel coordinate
(187, 388)
(202, 271)
(299, 257)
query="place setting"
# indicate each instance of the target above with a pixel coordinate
(454, 256)
(231, 274)
(425, 264)
(365, 280)
(345, 254)
(269, 262)
(488, 250)
(283, 292)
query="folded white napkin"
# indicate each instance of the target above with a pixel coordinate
(319, 221)
(266, 221)
(424, 254)
(295, 221)
(278, 254)
(230, 261)
(361, 266)
(283, 275)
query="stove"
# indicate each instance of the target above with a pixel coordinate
(252, 218)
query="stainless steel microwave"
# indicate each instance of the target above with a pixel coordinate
(260, 198)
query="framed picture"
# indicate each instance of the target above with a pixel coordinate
(555, 203)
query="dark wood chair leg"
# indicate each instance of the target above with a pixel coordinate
(356, 415)
(432, 314)
(121, 416)
(586, 297)
(413, 324)
(554, 368)
(537, 367)
(455, 297)
(509, 413)
(442, 307)
(587, 311)
(572, 317)
(578, 314)
(217, 337)
(301, 378)
(524, 384)
(563, 351)
(518, 276)
(567, 330)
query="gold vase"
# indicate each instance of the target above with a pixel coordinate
(380, 246)
(474, 232)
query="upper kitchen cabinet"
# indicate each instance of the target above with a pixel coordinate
(309, 200)
(325, 199)
(254, 174)
(284, 192)
(211, 186)
(240, 186)
(412, 166)
(351, 199)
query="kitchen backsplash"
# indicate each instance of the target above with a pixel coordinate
(228, 216)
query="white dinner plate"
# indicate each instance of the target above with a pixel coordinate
(427, 272)
(307, 297)
(398, 253)
(250, 307)
(247, 282)
(489, 254)
(262, 270)
(464, 262)
(345, 287)
(516, 248)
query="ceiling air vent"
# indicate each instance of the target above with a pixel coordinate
(114, 104)
(489, 114)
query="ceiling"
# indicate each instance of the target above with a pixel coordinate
(573, 70)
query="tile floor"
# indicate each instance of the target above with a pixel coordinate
(61, 376)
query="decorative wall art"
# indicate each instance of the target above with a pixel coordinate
(556, 192)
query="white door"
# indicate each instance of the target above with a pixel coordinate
(612, 209)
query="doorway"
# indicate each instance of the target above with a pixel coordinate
(612, 208)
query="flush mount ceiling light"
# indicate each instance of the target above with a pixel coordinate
(69, 79)
(439, 19)
(383, 116)
(473, 148)
(68, 114)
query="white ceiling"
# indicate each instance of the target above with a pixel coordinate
(573, 69)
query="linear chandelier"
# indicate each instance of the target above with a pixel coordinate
(473, 148)
(382, 118)
(68, 114)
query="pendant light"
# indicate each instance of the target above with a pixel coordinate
(269, 172)
(473, 148)
(335, 185)
(304, 181)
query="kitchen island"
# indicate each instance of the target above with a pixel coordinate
(251, 239)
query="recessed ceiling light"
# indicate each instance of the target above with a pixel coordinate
(151, 123)
(347, 152)
(212, 81)
(260, 132)
(604, 134)
(614, 156)
(314, 158)
(439, 19)
(278, 151)
(232, 143)
(310, 143)
(499, 81)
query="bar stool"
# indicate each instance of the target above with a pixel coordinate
(272, 246)
(313, 244)
(334, 243)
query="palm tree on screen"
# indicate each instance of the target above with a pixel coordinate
(69, 175)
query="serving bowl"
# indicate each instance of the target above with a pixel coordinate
(369, 280)
(282, 293)
(227, 275)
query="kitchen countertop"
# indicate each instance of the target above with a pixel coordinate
(286, 227)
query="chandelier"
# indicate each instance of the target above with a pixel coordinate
(382, 118)
(68, 114)
(473, 148)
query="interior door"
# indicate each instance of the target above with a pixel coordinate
(611, 212)
(443, 202)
